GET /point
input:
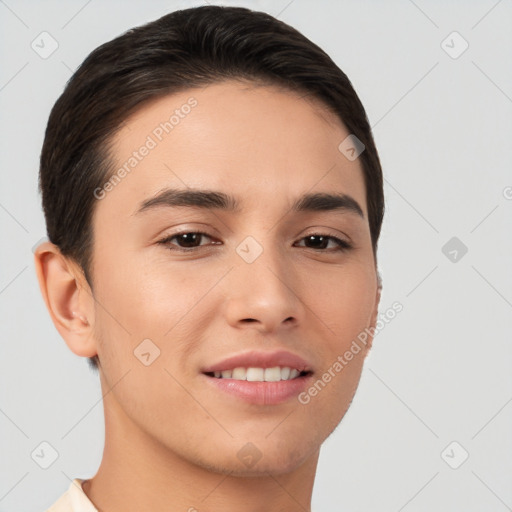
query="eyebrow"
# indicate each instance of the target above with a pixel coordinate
(210, 199)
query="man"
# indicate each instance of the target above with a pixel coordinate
(213, 200)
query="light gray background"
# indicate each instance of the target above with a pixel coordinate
(441, 371)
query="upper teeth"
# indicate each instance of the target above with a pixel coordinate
(259, 374)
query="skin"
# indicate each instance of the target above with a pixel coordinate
(171, 442)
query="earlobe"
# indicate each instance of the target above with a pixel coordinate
(68, 298)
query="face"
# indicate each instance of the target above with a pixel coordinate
(186, 291)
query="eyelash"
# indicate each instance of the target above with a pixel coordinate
(343, 245)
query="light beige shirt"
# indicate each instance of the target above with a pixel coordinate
(73, 500)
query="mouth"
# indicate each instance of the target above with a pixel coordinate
(260, 378)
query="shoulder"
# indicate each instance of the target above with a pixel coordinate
(73, 500)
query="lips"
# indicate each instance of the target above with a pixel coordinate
(245, 376)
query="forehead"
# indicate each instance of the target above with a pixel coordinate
(251, 140)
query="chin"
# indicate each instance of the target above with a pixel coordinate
(276, 465)
(260, 458)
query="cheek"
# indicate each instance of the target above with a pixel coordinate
(145, 299)
(343, 300)
(164, 303)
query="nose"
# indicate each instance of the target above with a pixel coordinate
(264, 294)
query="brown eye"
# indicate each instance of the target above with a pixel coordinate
(186, 241)
(321, 242)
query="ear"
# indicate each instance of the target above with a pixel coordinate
(375, 312)
(68, 298)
